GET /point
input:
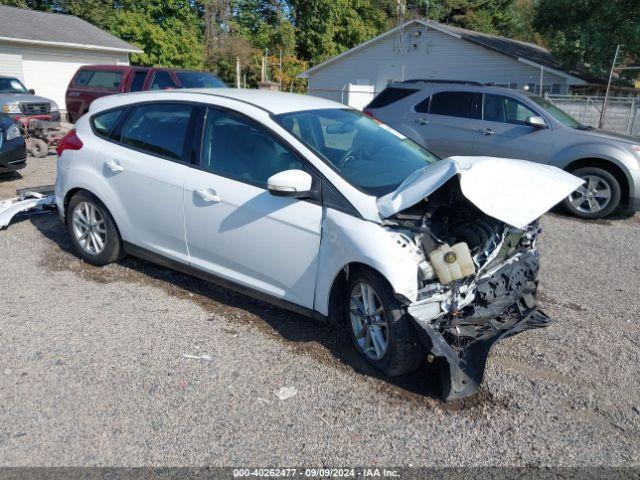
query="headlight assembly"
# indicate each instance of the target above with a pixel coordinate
(11, 108)
(13, 132)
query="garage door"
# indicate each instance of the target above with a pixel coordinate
(49, 74)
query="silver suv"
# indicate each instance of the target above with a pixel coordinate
(468, 118)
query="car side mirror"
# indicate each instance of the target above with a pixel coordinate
(536, 122)
(32, 91)
(290, 183)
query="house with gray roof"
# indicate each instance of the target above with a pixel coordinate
(45, 50)
(423, 49)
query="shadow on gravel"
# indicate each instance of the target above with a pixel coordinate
(617, 217)
(9, 177)
(330, 345)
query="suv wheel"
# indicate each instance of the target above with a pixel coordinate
(92, 229)
(597, 198)
(381, 331)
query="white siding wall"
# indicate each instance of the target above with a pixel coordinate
(48, 70)
(10, 62)
(436, 55)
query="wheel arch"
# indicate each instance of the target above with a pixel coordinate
(610, 167)
(73, 191)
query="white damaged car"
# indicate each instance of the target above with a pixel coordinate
(317, 208)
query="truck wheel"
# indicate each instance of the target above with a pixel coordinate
(93, 231)
(381, 331)
(38, 147)
(599, 197)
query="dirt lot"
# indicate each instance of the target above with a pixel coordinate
(92, 370)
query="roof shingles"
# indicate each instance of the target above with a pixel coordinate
(20, 24)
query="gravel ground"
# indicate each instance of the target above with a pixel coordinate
(92, 370)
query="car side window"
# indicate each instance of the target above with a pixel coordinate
(453, 104)
(98, 79)
(503, 109)
(158, 129)
(162, 81)
(137, 82)
(236, 147)
(104, 123)
(423, 106)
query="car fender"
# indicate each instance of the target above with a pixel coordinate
(621, 158)
(346, 240)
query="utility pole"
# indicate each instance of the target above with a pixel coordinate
(280, 72)
(606, 95)
(541, 80)
(238, 72)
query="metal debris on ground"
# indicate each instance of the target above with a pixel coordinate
(29, 201)
(196, 357)
(285, 393)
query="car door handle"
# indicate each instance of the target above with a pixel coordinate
(487, 131)
(421, 121)
(114, 166)
(208, 195)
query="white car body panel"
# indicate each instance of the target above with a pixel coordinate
(494, 185)
(242, 233)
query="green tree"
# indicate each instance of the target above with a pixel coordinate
(329, 27)
(587, 31)
(264, 24)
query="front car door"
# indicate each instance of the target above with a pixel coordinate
(444, 122)
(503, 131)
(144, 173)
(235, 228)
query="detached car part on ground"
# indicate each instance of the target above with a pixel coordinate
(314, 207)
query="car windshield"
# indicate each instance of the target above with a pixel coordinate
(12, 85)
(558, 114)
(370, 155)
(199, 80)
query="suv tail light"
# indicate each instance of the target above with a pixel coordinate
(370, 115)
(70, 141)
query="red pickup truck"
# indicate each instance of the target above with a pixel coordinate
(93, 81)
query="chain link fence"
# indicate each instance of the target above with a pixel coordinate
(622, 115)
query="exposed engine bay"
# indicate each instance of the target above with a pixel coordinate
(478, 278)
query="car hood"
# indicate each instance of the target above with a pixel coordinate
(606, 135)
(23, 97)
(515, 192)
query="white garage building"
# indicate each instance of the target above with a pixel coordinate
(45, 49)
(422, 49)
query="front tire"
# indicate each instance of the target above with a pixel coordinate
(599, 197)
(92, 230)
(380, 329)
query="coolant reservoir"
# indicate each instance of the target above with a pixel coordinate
(452, 263)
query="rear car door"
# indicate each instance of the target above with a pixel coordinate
(503, 131)
(444, 122)
(144, 173)
(235, 228)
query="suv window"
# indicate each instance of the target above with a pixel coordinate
(104, 123)
(137, 82)
(98, 79)
(158, 129)
(162, 81)
(453, 104)
(499, 108)
(236, 147)
(390, 95)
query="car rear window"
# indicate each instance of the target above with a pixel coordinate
(199, 80)
(453, 104)
(98, 79)
(104, 123)
(390, 95)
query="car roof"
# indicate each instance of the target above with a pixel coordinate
(440, 85)
(272, 102)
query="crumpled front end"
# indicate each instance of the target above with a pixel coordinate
(477, 283)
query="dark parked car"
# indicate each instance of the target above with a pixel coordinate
(13, 151)
(96, 81)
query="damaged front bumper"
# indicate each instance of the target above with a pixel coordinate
(460, 322)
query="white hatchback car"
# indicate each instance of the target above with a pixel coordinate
(314, 207)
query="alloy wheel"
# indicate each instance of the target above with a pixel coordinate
(89, 228)
(368, 321)
(593, 197)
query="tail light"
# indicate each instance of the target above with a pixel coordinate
(70, 141)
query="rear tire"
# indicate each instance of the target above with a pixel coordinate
(598, 198)
(38, 147)
(93, 231)
(383, 332)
